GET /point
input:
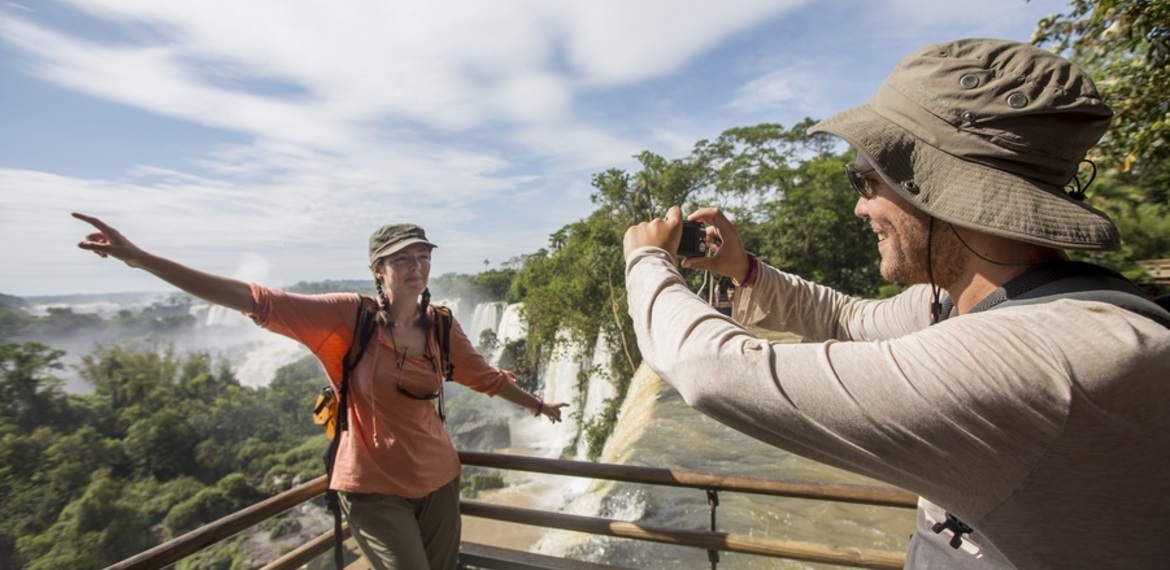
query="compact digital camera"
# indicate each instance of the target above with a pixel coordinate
(694, 240)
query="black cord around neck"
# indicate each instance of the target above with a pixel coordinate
(991, 261)
(935, 305)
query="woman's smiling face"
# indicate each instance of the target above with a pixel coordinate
(406, 273)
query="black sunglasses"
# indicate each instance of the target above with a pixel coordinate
(410, 394)
(865, 186)
(438, 394)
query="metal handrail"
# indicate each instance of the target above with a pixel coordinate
(706, 540)
(776, 487)
(174, 550)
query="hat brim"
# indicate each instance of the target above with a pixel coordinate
(969, 194)
(397, 247)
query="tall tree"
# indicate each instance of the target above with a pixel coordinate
(30, 394)
(789, 195)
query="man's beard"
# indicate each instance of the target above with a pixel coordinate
(908, 262)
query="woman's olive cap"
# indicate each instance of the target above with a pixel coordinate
(392, 238)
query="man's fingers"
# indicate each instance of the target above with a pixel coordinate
(673, 214)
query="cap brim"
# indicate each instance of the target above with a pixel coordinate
(969, 194)
(391, 250)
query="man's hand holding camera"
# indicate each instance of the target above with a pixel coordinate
(725, 254)
(664, 232)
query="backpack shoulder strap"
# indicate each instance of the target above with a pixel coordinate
(1088, 282)
(363, 330)
(443, 321)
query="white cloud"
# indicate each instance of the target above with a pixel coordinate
(483, 120)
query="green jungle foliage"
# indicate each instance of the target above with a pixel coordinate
(163, 444)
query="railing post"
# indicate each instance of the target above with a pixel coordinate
(713, 502)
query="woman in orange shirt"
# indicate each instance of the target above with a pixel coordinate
(396, 469)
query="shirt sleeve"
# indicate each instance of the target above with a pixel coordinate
(781, 301)
(903, 410)
(323, 323)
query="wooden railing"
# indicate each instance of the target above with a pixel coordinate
(711, 541)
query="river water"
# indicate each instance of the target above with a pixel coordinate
(656, 428)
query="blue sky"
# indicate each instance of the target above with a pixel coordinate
(266, 139)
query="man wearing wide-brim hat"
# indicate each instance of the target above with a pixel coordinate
(1023, 396)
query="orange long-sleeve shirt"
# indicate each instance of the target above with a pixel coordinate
(396, 445)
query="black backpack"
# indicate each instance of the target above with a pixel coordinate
(331, 409)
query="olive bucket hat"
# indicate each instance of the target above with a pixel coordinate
(392, 238)
(986, 134)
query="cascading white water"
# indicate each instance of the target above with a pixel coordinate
(598, 390)
(511, 328)
(220, 316)
(256, 354)
(559, 380)
(486, 317)
(594, 499)
(259, 364)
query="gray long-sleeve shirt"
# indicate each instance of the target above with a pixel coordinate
(1044, 427)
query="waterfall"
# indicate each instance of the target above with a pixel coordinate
(598, 390)
(559, 381)
(597, 499)
(559, 378)
(485, 318)
(258, 365)
(511, 328)
(255, 354)
(219, 316)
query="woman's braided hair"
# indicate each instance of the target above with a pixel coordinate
(423, 317)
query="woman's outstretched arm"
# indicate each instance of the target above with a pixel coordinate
(109, 242)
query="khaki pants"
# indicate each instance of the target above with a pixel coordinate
(406, 534)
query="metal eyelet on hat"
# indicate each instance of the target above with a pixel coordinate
(911, 187)
(1017, 100)
(969, 81)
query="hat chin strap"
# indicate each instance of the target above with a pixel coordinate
(935, 305)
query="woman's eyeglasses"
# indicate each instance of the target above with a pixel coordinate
(865, 186)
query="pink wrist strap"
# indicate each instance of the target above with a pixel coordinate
(752, 273)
